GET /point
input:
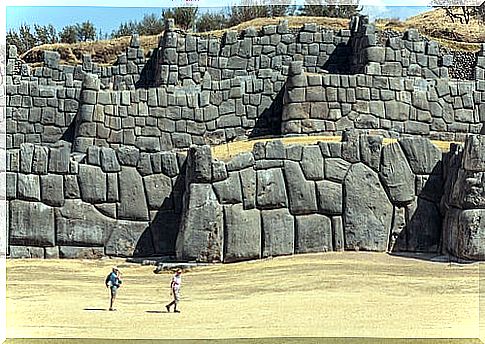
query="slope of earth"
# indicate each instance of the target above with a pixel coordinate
(351, 294)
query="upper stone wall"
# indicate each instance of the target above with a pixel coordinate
(391, 106)
(196, 90)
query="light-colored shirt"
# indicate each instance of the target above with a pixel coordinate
(176, 281)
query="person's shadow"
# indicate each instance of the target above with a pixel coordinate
(95, 309)
(156, 312)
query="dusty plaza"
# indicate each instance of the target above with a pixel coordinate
(316, 295)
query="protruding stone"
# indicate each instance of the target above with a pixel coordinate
(201, 232)
(199, 164)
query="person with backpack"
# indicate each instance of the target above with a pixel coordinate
(113, 282)
(175, 291)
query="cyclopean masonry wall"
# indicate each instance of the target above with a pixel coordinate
(93, 167)
(277, 200)
(105, 202)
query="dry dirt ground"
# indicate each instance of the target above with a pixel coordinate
(351, 294)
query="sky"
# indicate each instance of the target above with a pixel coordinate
(108, 19)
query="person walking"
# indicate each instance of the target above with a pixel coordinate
(113, 282)
(175, 285)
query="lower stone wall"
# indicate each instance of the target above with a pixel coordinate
(358, 194)
(277, 200)
(106, 202)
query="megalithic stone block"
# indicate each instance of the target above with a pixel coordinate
(313, 234)
(242, 238)
(278, 232)
(133, 204)
(31, 224)
(367, 211)
(201, 232)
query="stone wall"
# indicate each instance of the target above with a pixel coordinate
(277, 200)
(388, 105)
(95, 168)
(107, 202)
(464, 201)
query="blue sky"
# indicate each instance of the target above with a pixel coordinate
(108, 18)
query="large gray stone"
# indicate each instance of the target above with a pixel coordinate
(76, 252)
(129, 238)
(199, 164)
(26, 252)
(71, 187)
(169, 164)
(278, 232)
(52, 189)
(241, 161)
(40, 160)
(367, 211)
(469, 238)
(201, 231)
(133, 205)
(248, 186)
(313, 234)
(229, 191)
(28, 187)
(31, 224)
(474, 153)
(370, 151)
(59, 160)
(242, 235)
(336, 169)
(270, 191)
(92, 183)
(301, 193)
(128, 155)
(423, 229)
(396, 175)
(330, 197)
(11, 185)
(158, 188)
(312, 163)
(109, 162)
(26, 156)
(81, 224)
(423, 156)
